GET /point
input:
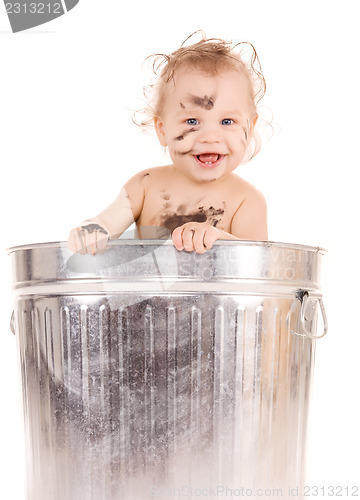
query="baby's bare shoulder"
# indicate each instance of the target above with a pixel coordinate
(151, 174)
(146, 178)
(244, 188)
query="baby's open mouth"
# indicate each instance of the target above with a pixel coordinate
(209, 159)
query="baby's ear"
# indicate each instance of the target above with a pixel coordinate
(252, 124)
(160, 132)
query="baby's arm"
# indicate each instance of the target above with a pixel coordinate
(248, 223)
(92, 235)
(250, 219)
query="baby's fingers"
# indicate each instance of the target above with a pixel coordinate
(95, 237)
(86, 241)
(83, 242)
(90, 241)
(177, 238)
(76, 241)
(210, 237)
(198, 240)
(94, 242)
(195, 236)
(187, 238)
(101, 241)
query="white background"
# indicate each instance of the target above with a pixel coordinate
(67, 92)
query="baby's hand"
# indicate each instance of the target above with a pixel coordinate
(198, 236)
(89, 237)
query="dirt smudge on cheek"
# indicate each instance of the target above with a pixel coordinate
(184, 134)
(181, 153)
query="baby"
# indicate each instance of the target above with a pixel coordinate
(204, 111)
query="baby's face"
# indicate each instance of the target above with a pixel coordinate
(206, 123)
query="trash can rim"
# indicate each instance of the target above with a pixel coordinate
(157, 242)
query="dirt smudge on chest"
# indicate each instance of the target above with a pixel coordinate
(172, 220)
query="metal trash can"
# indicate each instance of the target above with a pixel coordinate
(148, 372)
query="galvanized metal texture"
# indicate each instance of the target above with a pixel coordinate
(148, 372)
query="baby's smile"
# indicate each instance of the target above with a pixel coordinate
(209, 160)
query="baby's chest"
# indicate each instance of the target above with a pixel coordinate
(170, 210)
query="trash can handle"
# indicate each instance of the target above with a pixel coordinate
(303, 297)
(12, 323)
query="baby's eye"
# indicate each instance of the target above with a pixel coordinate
(192, 121)
(227, 121)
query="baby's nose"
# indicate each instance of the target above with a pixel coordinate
(209, 135)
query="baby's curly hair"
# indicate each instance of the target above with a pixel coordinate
(212, 56)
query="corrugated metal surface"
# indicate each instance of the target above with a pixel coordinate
(133, 395)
